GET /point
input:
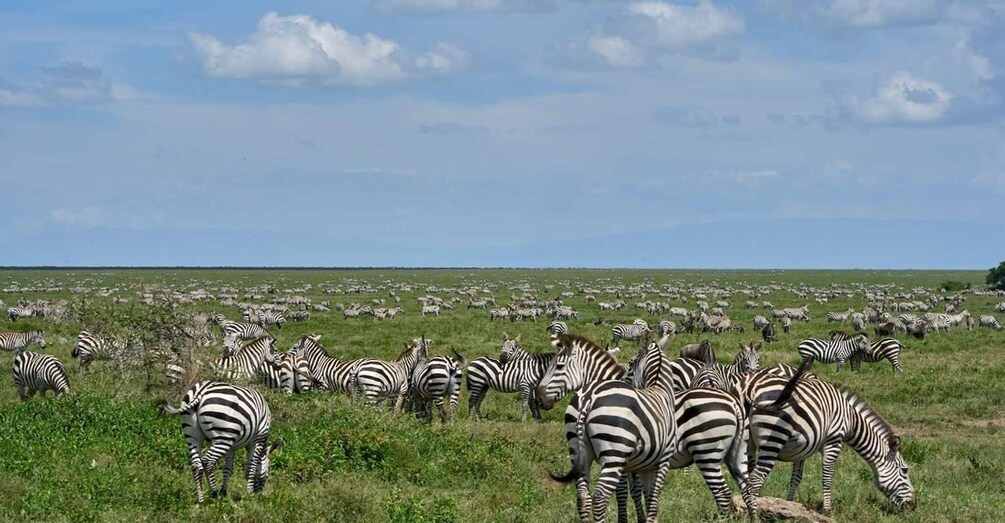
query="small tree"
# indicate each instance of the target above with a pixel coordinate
(996, 276)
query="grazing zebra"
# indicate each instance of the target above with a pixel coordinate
(945, 321)
(792, 419)
(16, 313)
(438, 379)
(430, 309)
(248, 361)
(299, 316)
(666, 327)
(498, 313)
(227, 417)
(988, 320)
(90, 348)
(557, 327)
(839, 316)
(627, 429)
(38, 373)
(237, 329)
(760, 321)
(516, 370)
(831, 351)
(723, 377)
(288, 372)
(333, 374)
(266, 319)
(882, 349)
(858, 321)
(786, 324)
(699, 351)
(768, 333)
(18, 341)
(377, 379)
(632, 332)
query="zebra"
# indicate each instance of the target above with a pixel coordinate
(288, 372)
(768, 333)
(830, 351)
(228, 417)
(299, 316)
(629, 428)
(632, 332)
(516, 370)
(786, 324)
(858, 321)
(839, 316)
(760, 321)
(793, 418)
(438, 379)
(16, 313)
(579, 363)
(19, 341)
(557, 327)
(430, 309)
(886, 348)
(723, 377)
(90, 348)
(377, 379)
(498, 313)
(666, 327)
(266, 319)
(237, 329)
(945, 321)
(988, 320)
(38, 373)
(248, 361)
(333, 374)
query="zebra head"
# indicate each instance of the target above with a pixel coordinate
(649, 366)
(748, 358)
(258, 476)
(509, 348)
(860, 343)
(37, 337)
(563, 375)
(891, 476)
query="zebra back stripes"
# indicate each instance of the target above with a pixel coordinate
(516, 370)
(89, 348)
(629, 332)
(836, 350)
(227, 417)
(288, 372)
(333, 374)
(438, 379)
(248, 361)
(723, 377)
(34, 372)
(377, 379)
(18, 341)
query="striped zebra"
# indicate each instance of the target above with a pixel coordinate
(629, 332)
(18, 341)
(227, 417)
(858, 321)
(498, 313)
(786, 323)
(248, 361)
(34, 372)
(886, 348)
(988, 320)
(793, 418)
(516, 370)
(288, 372)
(760, 322)
(578, 364)
(557, 327)
(628, 428)
(238, 329)
(267, 319)
(831, 351)
(17, 313)
(839, 316)
(438, 380)
(723, 377)
(666, 327)
(430, 309)
(945, 321)
(334, 374)
(378, 379)
(90, 348)
(768, 333)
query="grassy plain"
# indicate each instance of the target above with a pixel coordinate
(103, 454)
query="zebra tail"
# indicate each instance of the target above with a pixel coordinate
(76, 352)
(166, 408)
(580, 466)
(790, 387)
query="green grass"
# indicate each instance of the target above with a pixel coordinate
(104, 454)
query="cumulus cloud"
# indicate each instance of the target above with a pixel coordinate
(394, 7)
(861, 14)
(903, 99)
(299, 49)
(679, 27)
(67, 82)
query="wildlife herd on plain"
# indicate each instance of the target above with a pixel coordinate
(657, 410)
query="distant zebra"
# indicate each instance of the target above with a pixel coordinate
(768, 333)
(18, 341)
(760, 321)
(516, 370)
(299, 316)
(237, 329)
(723, 377)
(858, 321)
(333, 374)
(786, 424)
(786, 323)
(378, 379)
(831, 351)
(228, 417)
(430, 309)
(498, 313)
(248, 360)
(666, 327)
(632, 332)
(89, 348)
(266, 319)
(17, 313)
(882, 349)
(557, 327)
(839, 316)
(34, 372)
(628, 429)
(288, 372)
(988, 320)
(438, 379)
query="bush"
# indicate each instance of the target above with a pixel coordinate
(954, 286)
(996, 277)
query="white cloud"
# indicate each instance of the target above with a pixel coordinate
(67, 82)
(903, 98)
(299, 49)
(861, 14)
(680, 26)
(616, 51)
(449, 6)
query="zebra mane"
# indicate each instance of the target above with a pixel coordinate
(871, 417)
(252, 342)
(568, 341)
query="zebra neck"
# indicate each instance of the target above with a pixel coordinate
(868, 433)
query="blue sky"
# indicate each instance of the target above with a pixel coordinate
(504, 132)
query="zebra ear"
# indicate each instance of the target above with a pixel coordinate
(894, 442)
(505, 337)
(757, 347)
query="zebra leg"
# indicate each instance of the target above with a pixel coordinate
(20, 392)
(475, 404)
(797, 476)
(197, 473)
(840, 363)
(440, 407)
(653, 482)
(228, 469)
(711, 472)
(621, 494)
(584, 503)
(895, 361)
(765, 462)
(610, 475)
(524, 400)
(636, 491)
(831, 451)
(216, 451)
